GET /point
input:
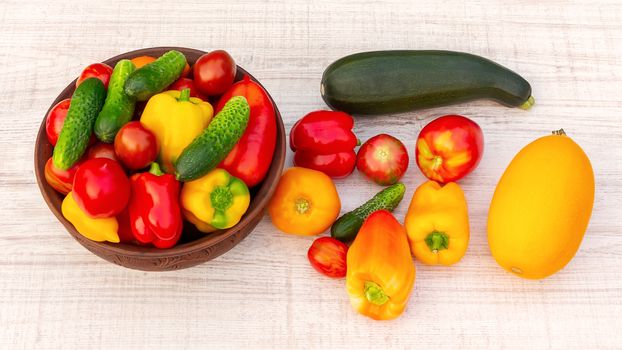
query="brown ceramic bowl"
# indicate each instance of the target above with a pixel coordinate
(194, 247)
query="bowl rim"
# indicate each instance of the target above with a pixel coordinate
(210, 239)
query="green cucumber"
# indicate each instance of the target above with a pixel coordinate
(384, 82)
(119, 107)
(155, 76)
(208, 149)
(348, 225)
(86, 103)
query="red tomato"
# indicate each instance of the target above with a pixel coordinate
(100, 71)
(214, 72)
(328, 256)
(186, 83)
(60, 180)
(101, 188)
(135, 145)
(102, 150)
(383, 159)
(448, 148)
(55, 119)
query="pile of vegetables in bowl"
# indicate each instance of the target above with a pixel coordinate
(142, 149)
(538, 215)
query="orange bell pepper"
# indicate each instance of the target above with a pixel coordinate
(381, 272)
(305, 202)
(437, 223)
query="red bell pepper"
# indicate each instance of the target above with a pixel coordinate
(251, 157)
(324, 141)
(155, 215)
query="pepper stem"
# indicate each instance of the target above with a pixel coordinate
(184, 95)
(155, 169)
(375, 294)
(358, 142)
(437, 241)
(302, 205)
(221, 198)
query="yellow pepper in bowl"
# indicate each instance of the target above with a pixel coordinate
(175, 119)
(215, 201)
(99, 230)
(437, 223)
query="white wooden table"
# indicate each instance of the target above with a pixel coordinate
(263, 293)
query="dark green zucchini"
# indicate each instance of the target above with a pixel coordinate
(384, 82)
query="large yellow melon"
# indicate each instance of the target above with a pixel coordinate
(541, 207)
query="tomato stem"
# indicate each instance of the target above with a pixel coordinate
(375, 294)
(437, 241)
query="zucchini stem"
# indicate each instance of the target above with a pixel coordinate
(527, 104)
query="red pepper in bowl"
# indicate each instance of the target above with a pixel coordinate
(251, 157)
(324, 141)
(155, 215)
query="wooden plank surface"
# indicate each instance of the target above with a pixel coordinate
(263, 293)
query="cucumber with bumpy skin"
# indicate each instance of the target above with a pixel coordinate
(347, 226)
(208, 149)
(86, 103)
(155, 76)
(119, 107)
(383, 82)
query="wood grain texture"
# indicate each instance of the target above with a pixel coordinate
(263, 293)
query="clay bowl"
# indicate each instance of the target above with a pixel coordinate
(194, 247)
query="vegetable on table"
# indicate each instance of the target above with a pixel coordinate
(328, 257)
(100, 71)
(186, 83)
(55, 119)
(95, 229)
(155, 76)
(348, 225)
(102, 150)
(215, 142)
(382, 159)
(381, 273)
(214, 72)
(448, 148)
(541, 207)
(135, 146)
(60, 180)
(101, 188)
(119, 107)
(74, 137)
(175, 119)
(437, 223)
(155, 214)
(324, 141)
(251, 157)
(305, 202)
(215, 201)
(385, 82)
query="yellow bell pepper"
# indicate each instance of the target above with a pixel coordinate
(380, 273)
(175, 119)
(437, 223)
(99, 230)
(215, 201)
